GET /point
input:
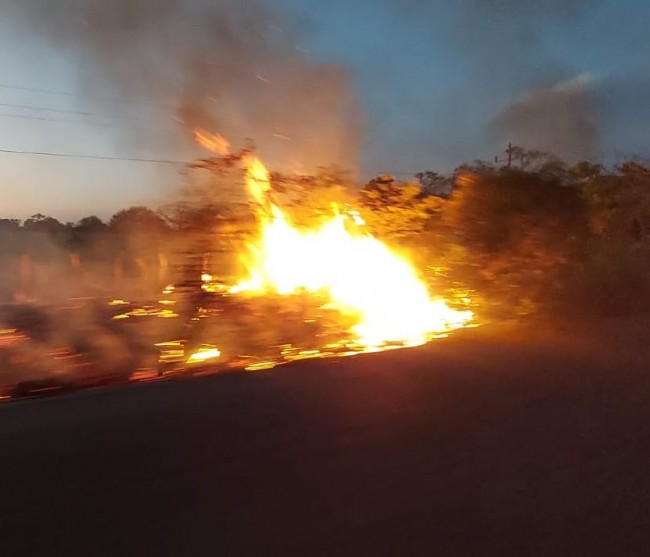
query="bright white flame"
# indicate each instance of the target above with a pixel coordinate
(357, 273)
(203, 355)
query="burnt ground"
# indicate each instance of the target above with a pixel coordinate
(499, 441)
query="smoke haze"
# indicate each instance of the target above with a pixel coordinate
(442, 83)
(224, 65)
(514, 86)
(560, 120)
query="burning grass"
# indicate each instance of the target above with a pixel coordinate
(378, 298)
(328, 289)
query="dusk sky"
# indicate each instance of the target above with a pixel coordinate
(436, 84)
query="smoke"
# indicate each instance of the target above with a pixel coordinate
(233, 66)
(504, 53)
(547, 109)
(558, 120)
(227, 65)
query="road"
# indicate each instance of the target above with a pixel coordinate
(477, 445)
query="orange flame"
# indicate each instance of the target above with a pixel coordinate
(356, 273)
(257, 179)
(212, 142)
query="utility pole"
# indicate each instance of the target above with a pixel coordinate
(509, 151)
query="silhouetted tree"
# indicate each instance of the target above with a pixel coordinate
(434, 183)
(90, 225)
(521, 230)
(137, 219)
(44, 224)
(398, 209)
(584, 171)
(620, 203)
(9, 225)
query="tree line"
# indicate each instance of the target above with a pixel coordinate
(537, 236)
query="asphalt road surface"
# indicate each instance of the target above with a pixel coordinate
(483, 444)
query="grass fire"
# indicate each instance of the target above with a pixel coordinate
(333, 278)
(340, 291)
(316, 287)
(336, 259)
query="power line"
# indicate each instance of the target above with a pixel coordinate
(58, 110)
(37, 90)
(77, 95)
(62, 120)
(94, 157)
(127, 159)
(66, 121)
(69, 111)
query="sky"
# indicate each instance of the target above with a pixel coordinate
(435, 83)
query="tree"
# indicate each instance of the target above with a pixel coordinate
(528, 159)
(137, 219)
(398, 209)
(522, 232)
(310, 199)
(585, 171)
(9, 225)
(44, 224)
(616, 264)
(197, 217)
(89, 238)
(90, 225)
(139, 237)
(434, 183)
(11, 239)
(619, 204)
(633, 170)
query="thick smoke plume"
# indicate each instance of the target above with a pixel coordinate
(548, 108)
(230, 66)
(558, 120)
(506, 59)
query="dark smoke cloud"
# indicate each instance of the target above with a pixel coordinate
(505, 61)
(231, 66)
(558, 120)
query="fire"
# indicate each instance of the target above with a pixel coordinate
(356, 273)
(204, 354)
(212, 142)
(257, 179)
(344, 264)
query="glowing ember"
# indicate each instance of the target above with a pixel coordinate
(209, 284)
(147, 312)
(340, 261)
(203, 355)
(261, 366)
